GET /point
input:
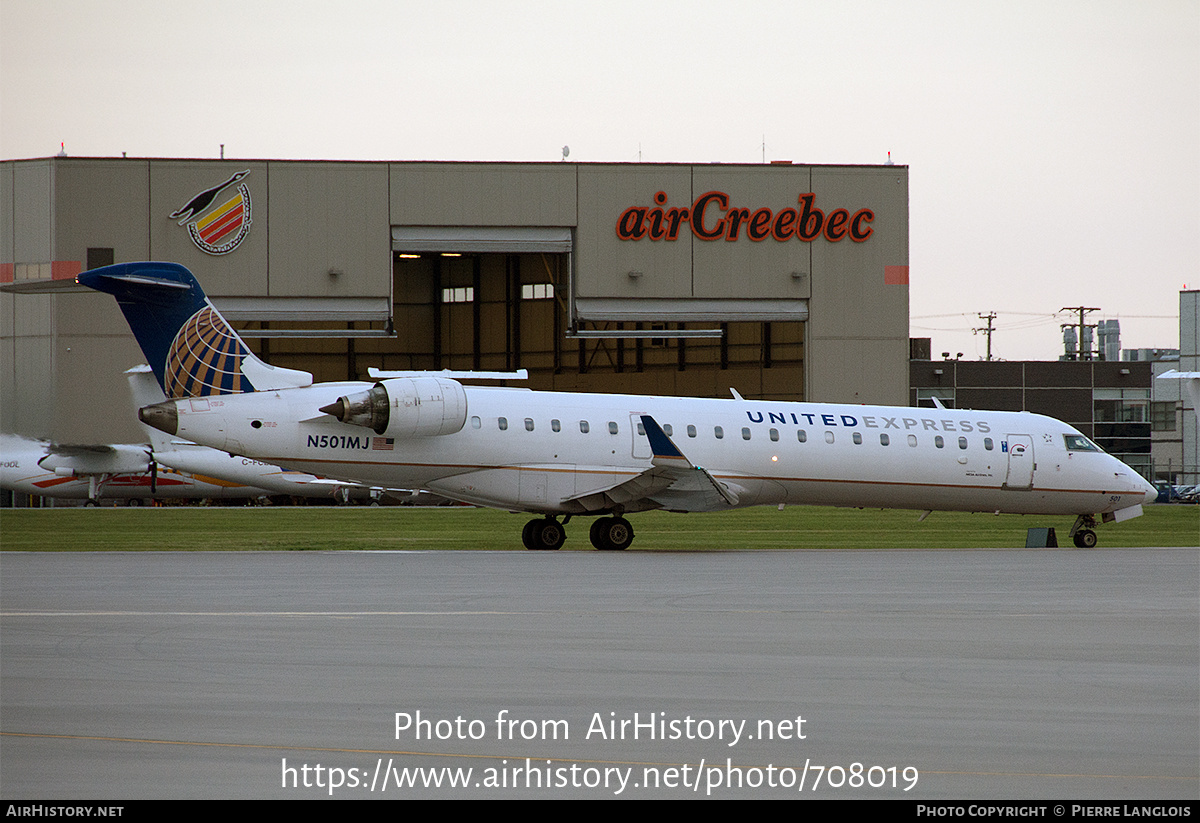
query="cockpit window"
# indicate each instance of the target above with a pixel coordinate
(1079, 443)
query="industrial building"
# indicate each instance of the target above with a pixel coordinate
(780, 280)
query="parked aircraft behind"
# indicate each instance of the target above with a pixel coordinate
(563, 455)
(125, 471)
(165, 468)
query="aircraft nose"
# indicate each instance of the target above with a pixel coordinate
(1150, 490)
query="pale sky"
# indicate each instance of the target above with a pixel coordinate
(1054, 147)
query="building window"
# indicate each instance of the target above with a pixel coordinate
(1121, 405)
(462, 294)
(1162, 416)
(537, 291)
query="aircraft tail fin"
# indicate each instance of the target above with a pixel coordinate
(190, 347)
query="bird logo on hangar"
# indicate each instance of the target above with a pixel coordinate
(220, 228)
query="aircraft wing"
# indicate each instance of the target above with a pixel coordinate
(96, 459)
(672, 481)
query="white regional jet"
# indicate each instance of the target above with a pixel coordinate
(564, 454)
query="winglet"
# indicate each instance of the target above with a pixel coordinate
(661, 445)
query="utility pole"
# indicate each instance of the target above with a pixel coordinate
(989, 317)
(1084, 353)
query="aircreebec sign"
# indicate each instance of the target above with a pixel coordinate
(710, 217)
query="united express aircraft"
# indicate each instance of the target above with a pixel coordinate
(562, 455)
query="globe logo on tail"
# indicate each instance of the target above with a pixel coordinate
(205, 358)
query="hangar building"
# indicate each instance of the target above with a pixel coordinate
(781, 280)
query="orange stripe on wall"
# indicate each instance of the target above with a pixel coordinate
(65, 269)
(6, 272)
(895, 275)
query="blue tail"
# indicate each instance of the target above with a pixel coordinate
(190, 347)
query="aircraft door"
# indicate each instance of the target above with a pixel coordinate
(1020, 461)
(641, 443)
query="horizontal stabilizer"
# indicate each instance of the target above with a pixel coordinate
(384, 374)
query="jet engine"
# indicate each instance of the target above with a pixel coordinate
(405, 407)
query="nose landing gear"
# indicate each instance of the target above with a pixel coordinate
(1084, 532)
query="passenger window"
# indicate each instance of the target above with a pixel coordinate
(938, 441)
(774, 435)
(555, 426)
(691, 430)
(884, 440)
(718, 432)
(528, 424)
(476, 422)
(612, 427)
(962, 442)
(857, 439)
(912, 440)
(667, 430)
(745, 433)
(828, 437)
(987, 443)
(503, 422)
(584, 427)
(802, 435)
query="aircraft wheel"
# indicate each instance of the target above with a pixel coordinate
(91, 502)
(134, 502)
(528, 534)
(551, 535)
(596, 534)
(543, 535)
(617, 534)
(1085, 539)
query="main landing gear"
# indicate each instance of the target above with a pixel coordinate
(611, 533)
(546, 534)
(607, 534)
(1084, 532)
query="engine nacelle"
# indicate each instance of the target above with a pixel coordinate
(405, 407)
